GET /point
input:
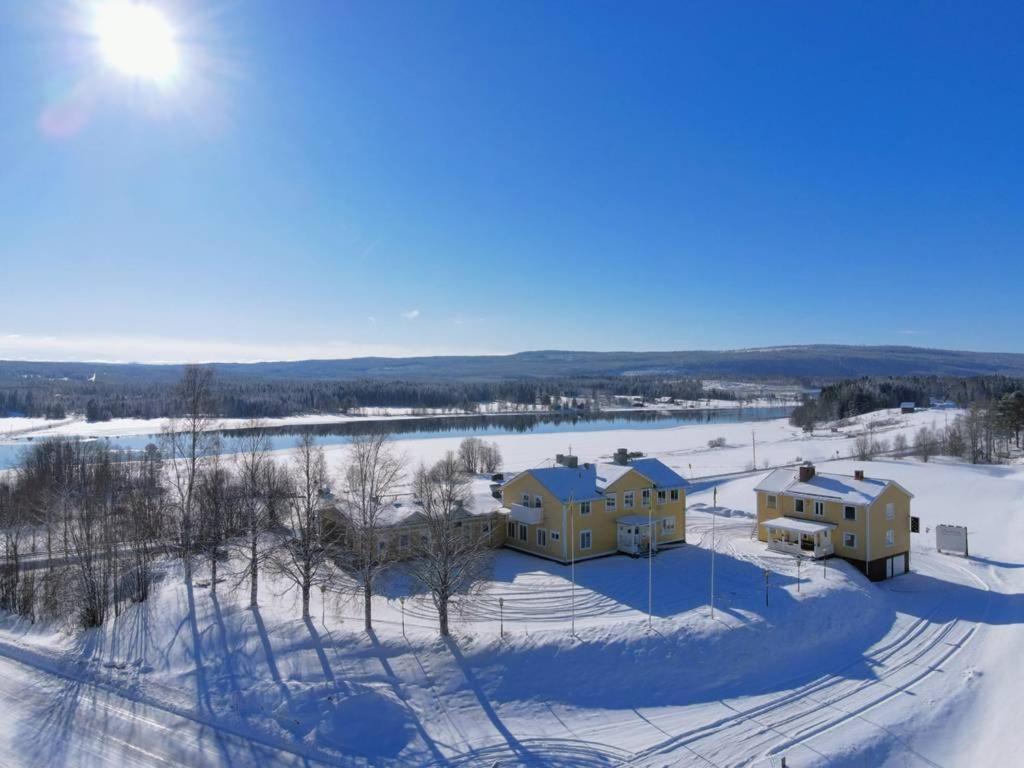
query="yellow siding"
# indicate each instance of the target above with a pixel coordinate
(900, 524)
(601, 523)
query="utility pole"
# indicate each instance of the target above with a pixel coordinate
(753, 447)
(765, 587)
(798, 561)
(501, 617)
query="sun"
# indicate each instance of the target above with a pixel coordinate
(137, 40)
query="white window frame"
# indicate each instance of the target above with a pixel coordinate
(510, 529)
(645, 497)
(554, 535)
(819, 505)
(772, 501)
(542, 537)
(586, 532)
(610, 502)
(890, 511)
(890, 537)
(525, 500)
(523, 533)
(584, 507)
(853, 536)
(662, 497)
(673, 495)
(668, 525)
(798, 505)
(846, 517)
(628, 499)
(538, 502)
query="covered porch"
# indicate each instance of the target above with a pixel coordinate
(799, 537)
(637, 535)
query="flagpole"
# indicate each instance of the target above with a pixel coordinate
(714, 514)
(650, 559)
(572, 563)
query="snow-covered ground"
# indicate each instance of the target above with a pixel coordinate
(834, 670)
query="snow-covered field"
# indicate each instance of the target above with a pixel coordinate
(921, 670)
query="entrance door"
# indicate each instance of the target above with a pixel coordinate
(626, 538)
(888, 567)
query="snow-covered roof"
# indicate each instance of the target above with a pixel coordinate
(609, 473)
(844, 488)
(907, 405)
(658, 473)
(576, 483)
(589, 481)
(403, 509)
(633, 519)
(797, 526)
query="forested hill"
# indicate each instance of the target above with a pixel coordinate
(818, 362)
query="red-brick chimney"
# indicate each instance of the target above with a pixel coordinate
(806, 472)
(858, 474)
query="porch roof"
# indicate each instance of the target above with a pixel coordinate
(794, 525)
(633, 520)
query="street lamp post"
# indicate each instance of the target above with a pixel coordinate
(401, 601)
(501, 617)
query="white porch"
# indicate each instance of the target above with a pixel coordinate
(637, 535)
(799, 537)
(528, 515)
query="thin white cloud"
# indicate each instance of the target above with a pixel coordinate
(909, 332)
(372, 319)
(411, 314)
(157, 349)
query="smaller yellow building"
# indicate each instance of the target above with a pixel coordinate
(575, 511)
(863, 520)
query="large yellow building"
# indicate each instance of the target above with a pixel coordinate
(863, 520)
(579, 511)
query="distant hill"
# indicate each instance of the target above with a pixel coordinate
(817, 361)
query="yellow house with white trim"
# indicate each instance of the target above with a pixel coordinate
(575, 511)
(863, 520)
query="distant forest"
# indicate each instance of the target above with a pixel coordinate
(249, 397)
(843, 399)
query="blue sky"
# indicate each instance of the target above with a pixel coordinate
(334, 179)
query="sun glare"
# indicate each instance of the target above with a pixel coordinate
(137, 40)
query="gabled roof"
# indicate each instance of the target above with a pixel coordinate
(844, 488)
(565, 483)
(658, 473)
(589, 481)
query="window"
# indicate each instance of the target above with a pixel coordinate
(526, 499)
(585, 539)
(850, 513)
(485, 528)
(819, 509)
(424, 539)
(674, 494)
(538, 502)
(542, 537)
(584, 507)
(890, 511)
(645, 497)
(662, 496)
(668, 525)
(772, 502)
(511, 530)
(628, 498)
(798, 505)
(522, 531)
(849, 540)
(382, 546)
(403, 541)
(555, 535)
(609, 502)
(890, 538)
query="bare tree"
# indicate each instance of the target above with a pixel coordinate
(373, 474)
(255, 471)
(301, 554)
(863, 447)
(188, 445)
(214, 514)
(469, 454)
(450, 556)
(490, 458)
(899, 444)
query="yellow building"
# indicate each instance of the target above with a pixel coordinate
(579, 511)
(863, 520)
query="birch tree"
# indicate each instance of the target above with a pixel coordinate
(372, 476)
(450, 557)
